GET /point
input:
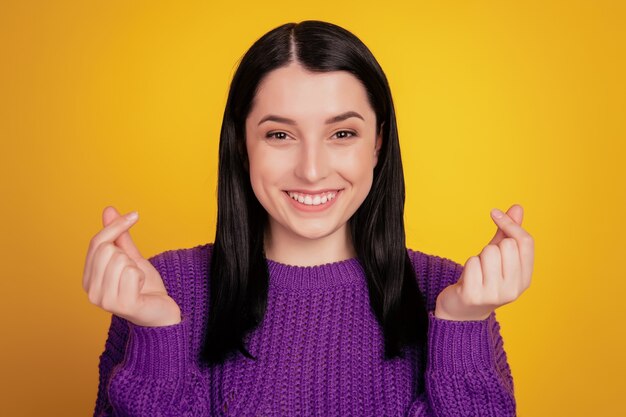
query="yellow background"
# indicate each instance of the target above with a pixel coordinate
(498, 103)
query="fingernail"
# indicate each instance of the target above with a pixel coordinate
(132, 216)
(496, 213)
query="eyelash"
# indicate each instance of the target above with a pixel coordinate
(270, 135)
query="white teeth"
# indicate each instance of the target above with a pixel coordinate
(312, 200)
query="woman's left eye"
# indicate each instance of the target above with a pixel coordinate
(344, 134)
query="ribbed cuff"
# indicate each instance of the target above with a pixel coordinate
(460, 346)
(158, 352)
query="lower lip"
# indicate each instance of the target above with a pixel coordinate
(312, 208)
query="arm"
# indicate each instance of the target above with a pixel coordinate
(158, 377)
(467, 373)
(113, 354)
(150, 370)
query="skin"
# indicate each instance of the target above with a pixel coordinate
(497, 276)
(307, 154)
(118, 279)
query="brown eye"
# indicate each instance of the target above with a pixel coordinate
(276, 135)
(345, 134)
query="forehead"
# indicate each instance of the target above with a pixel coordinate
(296, 91)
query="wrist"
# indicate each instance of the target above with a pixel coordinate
(169, 315)
(476, 315)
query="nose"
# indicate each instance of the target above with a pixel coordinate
(312, 162)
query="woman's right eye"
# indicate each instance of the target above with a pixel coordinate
(276, 135)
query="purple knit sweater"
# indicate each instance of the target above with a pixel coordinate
(319, 352)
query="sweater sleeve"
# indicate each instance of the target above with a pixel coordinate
(113, 354)
(467, 372)
(151, 371)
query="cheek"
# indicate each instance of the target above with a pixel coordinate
(265, 169)
(357, 165)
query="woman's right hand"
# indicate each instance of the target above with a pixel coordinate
(119, 280)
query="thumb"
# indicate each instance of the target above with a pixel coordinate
(124, 241)
(515, 212)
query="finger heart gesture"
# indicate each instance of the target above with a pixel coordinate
(498, 276)
(118, 279)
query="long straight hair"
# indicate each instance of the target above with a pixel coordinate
(239, 276)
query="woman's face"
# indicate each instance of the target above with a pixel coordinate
(312, 147)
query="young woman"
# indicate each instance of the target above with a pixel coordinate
(308, 301)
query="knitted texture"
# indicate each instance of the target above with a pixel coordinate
(319, 352)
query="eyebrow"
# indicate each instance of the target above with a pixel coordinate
(334, 119)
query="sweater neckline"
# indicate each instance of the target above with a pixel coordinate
(327, 275)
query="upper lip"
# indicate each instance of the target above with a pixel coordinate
(325, 190)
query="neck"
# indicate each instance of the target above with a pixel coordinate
(285, 247)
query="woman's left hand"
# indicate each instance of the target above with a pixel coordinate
(498, 276)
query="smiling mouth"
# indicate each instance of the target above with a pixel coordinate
(312, 199)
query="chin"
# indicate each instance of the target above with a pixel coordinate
(313, 233)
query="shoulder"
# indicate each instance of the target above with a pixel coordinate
(185, 273)
(433, 274)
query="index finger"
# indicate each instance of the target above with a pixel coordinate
(509, 226)
(515, 212)
(109, 234)
(525, 241)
